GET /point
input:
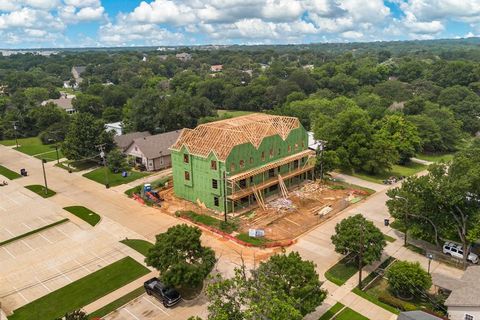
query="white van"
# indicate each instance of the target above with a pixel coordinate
(456, 251)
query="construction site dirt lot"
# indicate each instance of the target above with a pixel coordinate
(283, 218)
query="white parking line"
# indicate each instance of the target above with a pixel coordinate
(64, 275)
(41, 235)
(27, 245)
(62, 232)
(11, 255)
(26, 225)
(128, 311)
(9, 232)
(21, 295)
(81, 265)
(153, 304)
(43, 284)
(96, 255)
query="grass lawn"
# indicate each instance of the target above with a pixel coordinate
(83, 291)
(345, 185)
(388, 238)
(397, 171)
(114, 179)
(435, 157)
(332, 311)
(375, 300)
(33, 232)
(141, 246)
(85, 214)
(9, 174)
(112, 306)
(349, 314)
(227, 227)
(40, 190)
(33, 146)
(342, 312)
(76, 166)
(255, 241)
(342, 271)
(50, 156)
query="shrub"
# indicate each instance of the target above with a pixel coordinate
(397, 303)
(408, 279)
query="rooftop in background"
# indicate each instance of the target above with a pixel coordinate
(467, 293)
(64, 102)
(221, 136)
(157, 145)
(125, 140)
(417, 315)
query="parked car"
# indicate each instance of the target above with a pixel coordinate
(456, 251)
(167, 295)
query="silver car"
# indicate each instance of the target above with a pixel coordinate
(456, 251)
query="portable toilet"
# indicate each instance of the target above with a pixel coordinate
(147, 187)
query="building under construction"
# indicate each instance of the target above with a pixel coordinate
(237, 163)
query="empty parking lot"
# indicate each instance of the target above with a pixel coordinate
(45, 261)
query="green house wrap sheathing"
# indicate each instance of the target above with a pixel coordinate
(205, 159)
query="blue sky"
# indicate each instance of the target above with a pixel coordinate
(92, 23)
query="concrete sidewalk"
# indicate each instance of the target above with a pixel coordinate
(359, 182)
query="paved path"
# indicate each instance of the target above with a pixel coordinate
(359, 182)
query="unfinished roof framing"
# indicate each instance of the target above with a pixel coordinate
(221, 137)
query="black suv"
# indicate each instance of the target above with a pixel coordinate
(168, 296)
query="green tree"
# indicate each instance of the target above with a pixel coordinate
(88, 103)
(407, 279)
(47, 115)
(180, 257)
(444, 203)
(116, 161)
(84, 134)
(284, 287)
(326, 162)
(357, 236)
(351, 134)
(402, 133)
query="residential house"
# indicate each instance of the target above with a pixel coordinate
(116, 127)
(464, 301)
(64, 102)
(216, 67)
(232, 164)
(153, 151)
(125, 140)
(77, 73)
(184, 57)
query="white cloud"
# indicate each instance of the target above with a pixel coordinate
(125, 33)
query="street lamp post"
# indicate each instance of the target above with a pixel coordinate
(15, 130)
(430, 258)
(44, 176)
(405, 220)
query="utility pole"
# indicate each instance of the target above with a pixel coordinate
(15, 130)
(225, 193)
(321, 147)
(101, 148)
(56, 149)
(405, 220)
(44, 176)
(360, 255)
